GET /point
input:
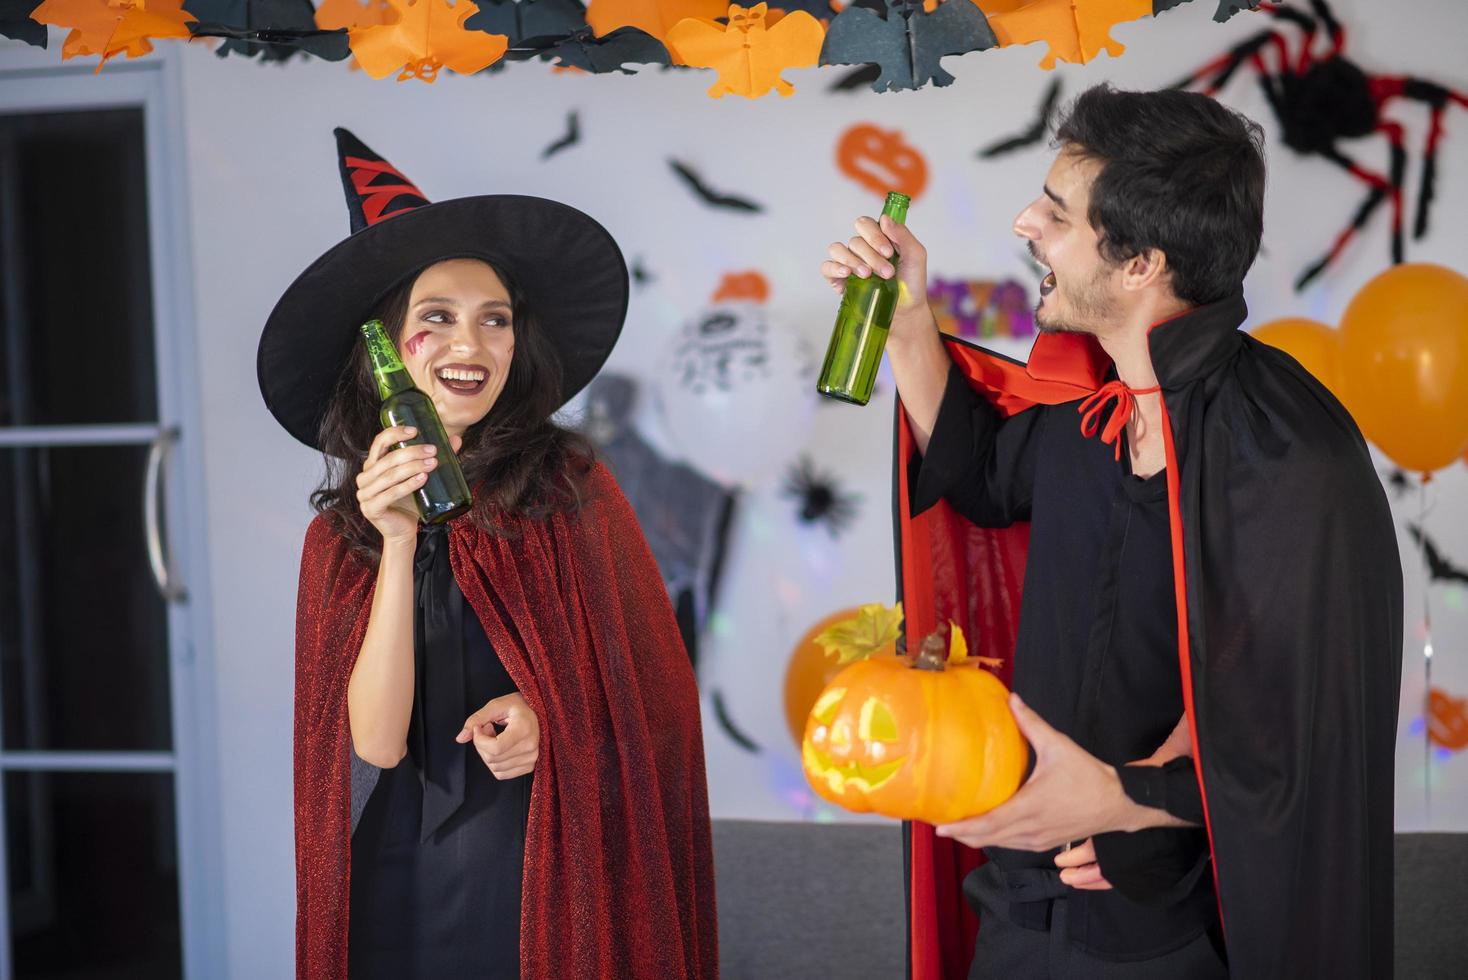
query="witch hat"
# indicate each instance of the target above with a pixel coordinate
(568, 267)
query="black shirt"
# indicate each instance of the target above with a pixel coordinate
(1096, 654)
(438, 855)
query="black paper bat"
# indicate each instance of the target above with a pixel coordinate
(1226, 8)
(528, 25)
(572, 137)
(600, 55)
(819, 9)
(713, 198)
(271, 30)
(721, 713)
(1439, 567)
(853, 80)
(908, 44)
(16, 23)
(1399, 482)
(1032, 135)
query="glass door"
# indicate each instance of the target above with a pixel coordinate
(102, 835)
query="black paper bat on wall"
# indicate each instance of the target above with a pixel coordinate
(1034, 133)
(1439, 567)
(709, 196)
(572, 137)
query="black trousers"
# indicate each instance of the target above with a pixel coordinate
(1006, 951)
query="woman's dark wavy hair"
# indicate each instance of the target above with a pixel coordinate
(516, 459)
(1179, 173)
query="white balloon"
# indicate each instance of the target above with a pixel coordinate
(737, 393)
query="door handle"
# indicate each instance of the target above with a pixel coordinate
(161, 562)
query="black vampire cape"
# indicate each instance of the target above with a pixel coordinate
(1289, 591)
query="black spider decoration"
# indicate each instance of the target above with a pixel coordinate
(1322, 100)
(820, 497)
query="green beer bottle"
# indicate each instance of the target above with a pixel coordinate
(861, 329)
(445, 494)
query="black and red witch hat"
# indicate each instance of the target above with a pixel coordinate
(567, 265)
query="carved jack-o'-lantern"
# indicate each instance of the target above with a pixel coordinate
(915, 739)
(1447, 720)
(881, 161)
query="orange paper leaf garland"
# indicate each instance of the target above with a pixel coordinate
(335, 15)
(655, 17)
(428, 35)
(1076, 30)
(110, 27)
(749, 53)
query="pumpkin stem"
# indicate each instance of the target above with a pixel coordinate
(932, 655)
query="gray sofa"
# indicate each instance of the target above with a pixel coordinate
(809, 901)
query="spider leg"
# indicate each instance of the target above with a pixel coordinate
(1436, 98)
(1381, 189)
(1307, 55)
(1332, 26)
(1220, 70)
(1300, 19)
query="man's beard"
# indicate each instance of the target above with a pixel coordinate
(1090, 308)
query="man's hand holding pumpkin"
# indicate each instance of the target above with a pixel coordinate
(1070, 796)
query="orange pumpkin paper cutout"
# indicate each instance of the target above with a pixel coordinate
(428, 35)
(751, 51)
(112, 27)
(1076, 30)
(655, 17)
(881, 161)
(751, 286)
(1447, 720)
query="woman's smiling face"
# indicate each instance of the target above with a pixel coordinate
(458, 339)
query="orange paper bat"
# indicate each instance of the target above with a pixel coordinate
(1076, 30)
(428, 35)
(748, 53)
(655, 17)
(110, 27)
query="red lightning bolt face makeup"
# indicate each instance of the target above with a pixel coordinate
(460, 339)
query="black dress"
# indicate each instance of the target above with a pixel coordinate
(438, 853)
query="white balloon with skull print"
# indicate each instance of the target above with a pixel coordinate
(737, 394)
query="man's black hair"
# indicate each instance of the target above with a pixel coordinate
(1179, 173)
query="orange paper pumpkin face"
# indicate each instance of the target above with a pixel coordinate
(881, 161)
(736, 286)
(930, 745)
(1447, 720)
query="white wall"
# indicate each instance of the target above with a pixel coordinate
(265, 200)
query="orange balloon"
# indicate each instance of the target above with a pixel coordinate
(1315, 345)
(809, 671)
(1404, 364)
